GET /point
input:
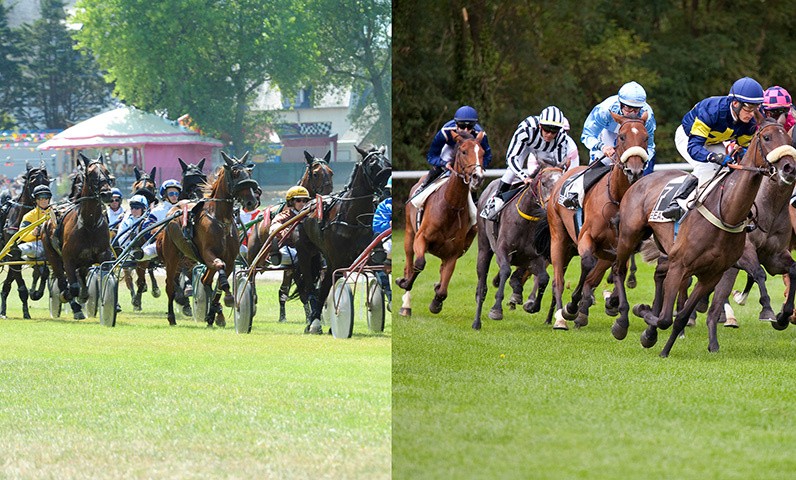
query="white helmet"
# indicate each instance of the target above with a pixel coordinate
(138, 199)
(552, 117)
(633, 95)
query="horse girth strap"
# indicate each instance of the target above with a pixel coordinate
(719, 223)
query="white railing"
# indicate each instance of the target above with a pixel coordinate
(497, 172)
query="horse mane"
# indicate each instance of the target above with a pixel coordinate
(208, 188)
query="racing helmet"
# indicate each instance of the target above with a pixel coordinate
(42, 189)
(633, 95)
(139, 201)
(297, 192)
(746, 90)
(170, 183)
(465, 113)
(776, 97)
(552, 117)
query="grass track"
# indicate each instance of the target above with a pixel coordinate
(145, 400)
(518, 400)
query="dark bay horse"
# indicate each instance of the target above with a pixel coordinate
(342, 234)
(80, 238)
(194, 180)
(596, 240)
(447, 229)
(318, 180)
(214, 240)
(511, 241)
(10, 217)
(710, 240)
(144, 185)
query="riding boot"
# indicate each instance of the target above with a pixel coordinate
(673, 211)
(496, 202)
(433, 173)
(274, 255)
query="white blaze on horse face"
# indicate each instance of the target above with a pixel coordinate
(634, 130)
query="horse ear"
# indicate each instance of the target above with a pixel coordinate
(617, 118)
(137, 174)
(328, 156)
(244, 159)
(101, 158)
(361, 152)
(152, 173)
(182, 165)
(201, 164)
(308, 157)
(759, 118)
(27, 166)
(480, 136)
(227, 160)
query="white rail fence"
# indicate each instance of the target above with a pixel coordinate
(498, 172)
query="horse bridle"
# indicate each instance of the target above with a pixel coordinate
(102, 177)
(771, 157)
(310, 170)
(635, 150)
(467, 171)
(236, 187)
(374, 178)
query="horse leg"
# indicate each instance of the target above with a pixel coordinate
(787, 308)
(720, 295)
(622, 322)
(441, 289)
(127, 276)
(74, 291)
(516, 283)
(672, 284)
(140, 284)
(207, 282)
(587, 263)
(496, 312)
(22, 290)
(223, 282)
(482, 271)
(171, 284)
(4, 294)
(284, 292)
(560, 260)
(592, 280)
(155, 289)
(702, 288)
(631, 278)
(38, 292)
(538, 268)
(408, 279)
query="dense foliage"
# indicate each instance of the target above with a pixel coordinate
(511, 59)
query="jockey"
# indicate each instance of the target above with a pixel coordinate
(170, 192)
(441, 151)
(30, 245)
(777, 105)
(539, 141)
(135, 220)
(700, 137)
(600, 131)
(382, 220)
(115, 209)
(296, 199)
(247, 216)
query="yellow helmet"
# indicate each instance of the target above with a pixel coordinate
(297, 192)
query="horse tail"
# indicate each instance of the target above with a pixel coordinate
(649, 251)
(541, 239)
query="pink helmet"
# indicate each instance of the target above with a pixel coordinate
(776, 97)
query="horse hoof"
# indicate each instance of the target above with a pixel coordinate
(648, 340)
(229, 301)
(315, 327)
(702, 306)
(561, 323)
(26, 316)
(611, 311)
(731, 322)
(282, 319)
(476, 325)
(618, 331)
(221, 321)
(401, 282)
(768, 315)
(530, 306)
(640, 309)
(516, 299)
(156, 292)
(570, 311)
(62, 297)
(79, 316)
(512, 306)
(172, 322)
(779, 327)
(582, 320)
(631, 282)
(187, 311)
(136, 308)
(435, 306)
(739, 297)
(118, 308)
(405, 312)
(495, 314)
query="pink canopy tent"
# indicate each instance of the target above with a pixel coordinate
(153, 140)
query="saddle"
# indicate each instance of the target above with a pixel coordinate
(668, 192)
(590, 176)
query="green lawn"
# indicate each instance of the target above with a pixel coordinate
(519, 400)
(145, 400)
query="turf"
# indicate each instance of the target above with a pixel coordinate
(519, 400)
(145, 400)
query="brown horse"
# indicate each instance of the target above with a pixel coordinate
(446, 230)
(10, 217)
(81, 237)
(510, 239)
(709, 240)
(214, 241)
(596, 241)
(144, 185)
(343, 232)
(318, 180)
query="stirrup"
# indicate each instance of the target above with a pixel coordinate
(571, 201)
(673, 212)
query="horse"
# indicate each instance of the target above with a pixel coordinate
(341, 234)
(446, 229)
(193, 180)
(510, 239)
(10, 217)
(214, 238)
(144, 185)
(80, 238)
(710, 240)
(596, 240)
(317, 179)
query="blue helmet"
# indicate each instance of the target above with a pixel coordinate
(746, 90)
(170, 183)
(138, 201)
(633, 95)
(115, 192)
(465, 114)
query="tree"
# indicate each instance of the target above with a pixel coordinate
(10, 71)
(355, 49)
(207, 59)
(58, 83)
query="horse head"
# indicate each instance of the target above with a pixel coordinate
(317, 179)
(239, 183)
(145, 184)
(33, 178)
(375, 167)
(771, 151)
(97, 180)
(545, 181)
(193, 179)
(468, 159)
(631, 145)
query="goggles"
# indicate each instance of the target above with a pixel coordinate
(749, 107)
(776, 112)
(137, 205)
(173, 194)
(465, 125)
(43, 195)
(116, 199)
(629, 108)
(550, 128)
